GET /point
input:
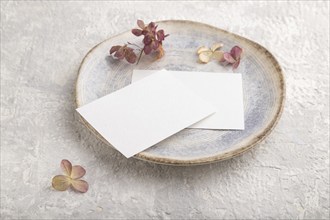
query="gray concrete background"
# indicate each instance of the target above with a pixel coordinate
(42, 45)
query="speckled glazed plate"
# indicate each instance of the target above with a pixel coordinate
(263, 85)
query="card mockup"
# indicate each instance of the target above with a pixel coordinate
(146, 112)
(223, 90)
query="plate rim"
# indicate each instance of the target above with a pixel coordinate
(224, 155)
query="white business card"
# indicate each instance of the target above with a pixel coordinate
(223, 90)
(144, 113)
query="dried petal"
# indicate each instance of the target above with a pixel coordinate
(144, 32)
(218, 55)
(141, 24)
(129, 50)
(155, 45)
(80, 185)
(152, 25)
(216, 46)
(61, 182)
(120, 54)
(77, 172)
(131, 57)
(205, 56)
(66, 167)
(236, 52)
(137, 32)
(160, 35)
(147, 40)
(235, 65)
(114, 49)
(228, 57)
(147, 49)
(203, 49)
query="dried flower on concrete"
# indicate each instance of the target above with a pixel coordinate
(71, 178)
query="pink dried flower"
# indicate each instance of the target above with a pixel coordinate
(152, 41)
(152, 38)
(121, 52)
(71, 178)
(233, 57)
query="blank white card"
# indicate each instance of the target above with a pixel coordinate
(145, 113)
(223, 90)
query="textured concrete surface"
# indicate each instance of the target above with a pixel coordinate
(42, 44)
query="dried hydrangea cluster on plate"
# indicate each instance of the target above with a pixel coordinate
(152, 41)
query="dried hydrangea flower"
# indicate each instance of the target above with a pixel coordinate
(152, 38)
(233, 57)
(205, 54)
(152, 41)
(121, 52)
(71, 178)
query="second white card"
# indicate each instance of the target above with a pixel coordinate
(223, 90)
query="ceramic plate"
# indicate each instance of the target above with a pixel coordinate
(263, 86)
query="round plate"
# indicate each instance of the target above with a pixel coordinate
(263, 86)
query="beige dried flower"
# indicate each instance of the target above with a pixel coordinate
(206, 54)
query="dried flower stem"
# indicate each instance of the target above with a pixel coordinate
(134, 45)
(139, 56)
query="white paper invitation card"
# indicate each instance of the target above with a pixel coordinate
(223, 90)
(146, 112)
